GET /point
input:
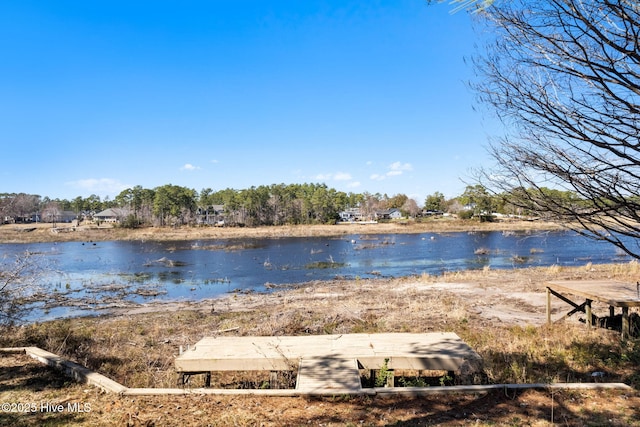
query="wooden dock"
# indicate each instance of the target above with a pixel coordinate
(611, 292)
(329, 363)
(321, 375)
(82, 374)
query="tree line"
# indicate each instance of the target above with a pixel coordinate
(276, 204)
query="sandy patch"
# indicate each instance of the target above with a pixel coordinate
(490, 303)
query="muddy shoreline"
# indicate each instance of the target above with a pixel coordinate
(119, 303)
(501, 314)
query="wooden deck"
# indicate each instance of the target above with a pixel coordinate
(329, 363)
(611, 292)
(321, 375)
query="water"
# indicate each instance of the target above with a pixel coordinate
(87, 276)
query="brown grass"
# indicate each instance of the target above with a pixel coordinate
(498, 313)
(138, 351)
(18, 233)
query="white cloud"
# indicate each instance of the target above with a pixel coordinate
(394, 169)
(338, 176)
(342, 176)
(189, 167)
(99, 185)
(353, 184)
(399, 167)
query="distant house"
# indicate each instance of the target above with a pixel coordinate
(211, 215)
(55, 216)
(112, 215)
(21, 219)
(351, 214)
(66, 216)
(425, 212)
(389, 214)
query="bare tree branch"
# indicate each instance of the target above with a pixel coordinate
(19, 288)
(564, 76)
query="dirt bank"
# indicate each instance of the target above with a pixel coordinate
(514, 297)
(22, 233)
(500, 314)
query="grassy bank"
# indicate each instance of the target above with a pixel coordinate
(25, 233)
(138, 350)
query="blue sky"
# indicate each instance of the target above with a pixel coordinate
(99, 96)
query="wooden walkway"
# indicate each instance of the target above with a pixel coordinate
(82, 374)
(319, 375)
(611, 292)
(329, 363)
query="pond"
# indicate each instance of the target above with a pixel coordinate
(93, 275)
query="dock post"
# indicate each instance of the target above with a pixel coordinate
(548, 306)
(587, 312)
(625, 322)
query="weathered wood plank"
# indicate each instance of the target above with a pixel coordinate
(328, 364)
(77, 372)
(318, 375)
(611, 292)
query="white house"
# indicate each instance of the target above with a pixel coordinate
(112, 215)
(389, 214)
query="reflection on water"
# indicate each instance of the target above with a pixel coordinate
(102, 274)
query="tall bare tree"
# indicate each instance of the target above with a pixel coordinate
(52, 213)
(564, 76)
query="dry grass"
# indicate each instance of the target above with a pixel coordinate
(138, 350)
(36, 384)
(10, 233)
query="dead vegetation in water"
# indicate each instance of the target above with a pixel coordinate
(138, 350)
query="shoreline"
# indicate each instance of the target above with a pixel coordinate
(500, 314)
(43, 233)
